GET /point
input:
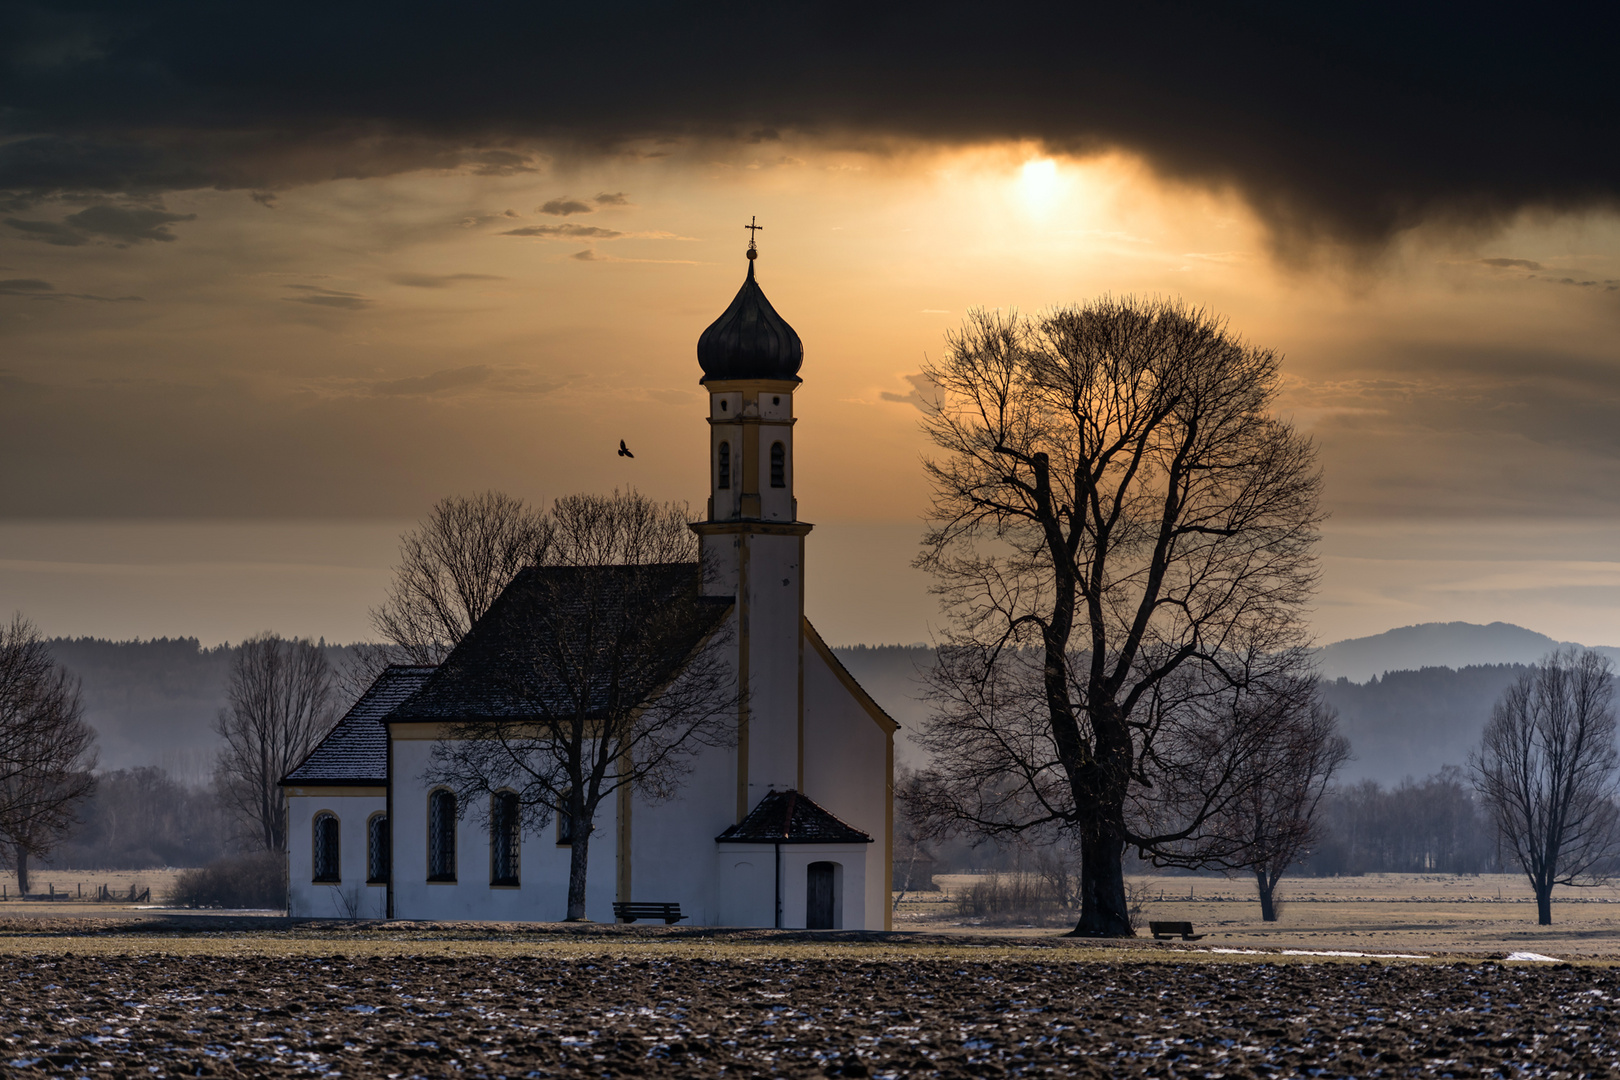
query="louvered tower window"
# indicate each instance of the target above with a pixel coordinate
(725, 465)
(778, 465)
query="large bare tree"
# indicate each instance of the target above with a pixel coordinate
(1275, 820)
(452, 566)
(1122, 537)
(1546, 770)
(282, 699)
(607, 670)
(47, 751)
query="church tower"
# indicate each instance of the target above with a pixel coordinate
(753, 540)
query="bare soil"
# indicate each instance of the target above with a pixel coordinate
(607, 1012)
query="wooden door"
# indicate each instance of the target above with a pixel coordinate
(818, 908)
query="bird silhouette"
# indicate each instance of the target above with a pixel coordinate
(624, 451)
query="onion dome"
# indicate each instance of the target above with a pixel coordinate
(750, 340)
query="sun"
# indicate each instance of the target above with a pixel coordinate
(1039, 184)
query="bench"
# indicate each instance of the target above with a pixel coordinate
(631, 910)
(1162, 930)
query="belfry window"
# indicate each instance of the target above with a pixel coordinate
(325, 851)
(778, 465)
(503, 839)
(725, 465)
(441, 836)
(377, 849)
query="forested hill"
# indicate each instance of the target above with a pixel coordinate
(154, 702)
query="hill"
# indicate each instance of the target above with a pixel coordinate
(1451, 645)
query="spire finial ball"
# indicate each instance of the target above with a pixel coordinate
(752, 254)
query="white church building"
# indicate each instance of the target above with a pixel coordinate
(789, 826)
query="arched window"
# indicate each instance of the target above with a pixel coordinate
(441, 836)
(778, 465)
(504, 839)
(725, 465)
(377, 849)
(325, 850)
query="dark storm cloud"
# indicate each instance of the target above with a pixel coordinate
(52, 232)
(127, 224)
(1349, 122)
(36, 289)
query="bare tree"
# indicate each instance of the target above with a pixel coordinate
(1123, 540)
(46, 748)
(451, 568)
(1275, 821)
(609, 670)
(282, 701)
(1546, 769)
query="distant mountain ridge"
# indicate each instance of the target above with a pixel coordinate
(1449, 645)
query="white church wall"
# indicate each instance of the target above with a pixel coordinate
(351, 896)
(846, 770)
(747, 880)
(542, 892)
(672, 842)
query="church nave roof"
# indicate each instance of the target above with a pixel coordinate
(355, 752)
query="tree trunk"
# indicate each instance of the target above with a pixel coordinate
(1103, 910)
(1268, 902)
(1544, 903)
(22, 869)
(577, 856)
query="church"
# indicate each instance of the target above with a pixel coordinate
(789, 825)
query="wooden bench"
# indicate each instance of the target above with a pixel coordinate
(1162, 930)
(631, 910)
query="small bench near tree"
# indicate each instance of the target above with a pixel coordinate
(631, 910)
(1162, 930)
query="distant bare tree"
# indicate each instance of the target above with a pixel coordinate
(451, 568)
(282, 701)
(46, 748)
(1275, 822)
(616, 676)
(1546, 769)
(1122, 537)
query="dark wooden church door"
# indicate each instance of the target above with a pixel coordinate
(819, 899)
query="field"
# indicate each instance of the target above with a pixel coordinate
(130, 992)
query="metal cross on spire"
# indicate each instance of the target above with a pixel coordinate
(753, 229)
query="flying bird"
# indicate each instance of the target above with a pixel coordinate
(624, 451)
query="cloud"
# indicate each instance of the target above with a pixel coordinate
(52, 232)
(439, 281)
(1523, 264)
(586, 256)
(266, 199)
(332, 298)
(577, 232)
(440, 382)
(562, 207)
(24, 287)
(127, 224)
(924, 392)
(1335, 129)
(612, 198)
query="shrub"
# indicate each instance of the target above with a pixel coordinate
(242, 881)
(1011, 898)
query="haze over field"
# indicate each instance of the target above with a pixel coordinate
(266, 294)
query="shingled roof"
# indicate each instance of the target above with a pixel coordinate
(508, 664)
(355, 752)
(787, 817)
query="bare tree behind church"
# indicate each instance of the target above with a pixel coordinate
(451, 568)
(604, 670)
(282, 699)
(46, 748)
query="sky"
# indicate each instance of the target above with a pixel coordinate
(271, 284)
